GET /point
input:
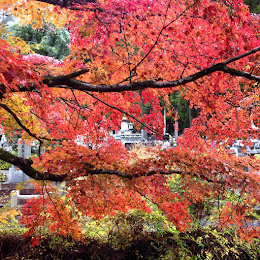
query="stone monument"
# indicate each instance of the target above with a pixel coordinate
(16, 175)
(127, 136)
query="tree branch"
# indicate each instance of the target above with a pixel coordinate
(243, 55)
(67, 3)
(27, 130)
(25, 166)
(53, 80)
(146, 174)
(69, 82)
(18, 121)
(131, 176)
(240, 73)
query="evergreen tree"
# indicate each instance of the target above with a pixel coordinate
(254, 5)
(185, 113)
(48, 40)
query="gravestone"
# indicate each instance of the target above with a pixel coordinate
(15, 174)
(24, 150)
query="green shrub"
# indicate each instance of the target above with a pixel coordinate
(4, 165)
(134, 235)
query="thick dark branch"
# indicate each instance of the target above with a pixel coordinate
(56, 80)
(131, 176)
(67, 3)
(69, 82)
(240, 73)
(25, 166)
(147, 174)
(83, 86)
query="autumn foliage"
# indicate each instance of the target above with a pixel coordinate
(124, 55)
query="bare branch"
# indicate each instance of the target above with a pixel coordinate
(240, 73)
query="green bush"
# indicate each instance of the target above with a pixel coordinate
(4, 165)
(134, 235)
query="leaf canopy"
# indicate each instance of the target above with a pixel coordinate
(125, 55)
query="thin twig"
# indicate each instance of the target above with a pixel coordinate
(124, 112)
(18, 121)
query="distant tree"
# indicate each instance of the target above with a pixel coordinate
(48, 40)
(185, 113)
(254, 5)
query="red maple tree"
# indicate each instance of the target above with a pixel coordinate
(124, 53)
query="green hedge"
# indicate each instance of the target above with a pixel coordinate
(135, 235)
